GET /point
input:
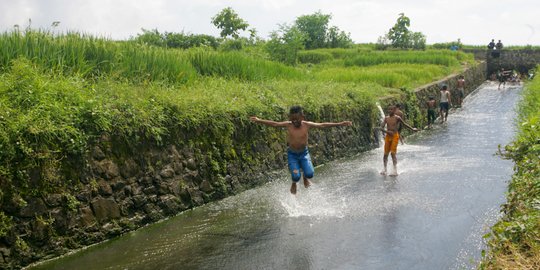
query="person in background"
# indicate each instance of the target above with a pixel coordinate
(444, 103)
(499, 45)
(501, 77)
(460, 90)
(431, 104)
(491, 45)
(297, 141)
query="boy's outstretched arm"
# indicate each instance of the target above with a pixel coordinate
(271, 123)
(328, 124)
(407, 125)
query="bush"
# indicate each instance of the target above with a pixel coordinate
(313, 57)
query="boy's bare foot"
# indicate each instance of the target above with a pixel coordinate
(293, 188)
(393, 174)
(383, 173)
(307, 183)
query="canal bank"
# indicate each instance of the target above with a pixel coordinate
(124, 187)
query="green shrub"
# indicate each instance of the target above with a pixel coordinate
(313, 57)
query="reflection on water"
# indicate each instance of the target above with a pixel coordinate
(431, 216)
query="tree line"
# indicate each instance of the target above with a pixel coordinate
(307, 32)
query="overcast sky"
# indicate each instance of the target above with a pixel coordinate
(474, 21)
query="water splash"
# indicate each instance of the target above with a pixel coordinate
(313, 202)
(381, 119)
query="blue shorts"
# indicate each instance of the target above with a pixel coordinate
(300, 160)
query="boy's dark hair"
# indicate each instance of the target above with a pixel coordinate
(296, 109)
(431, 98)
(398, 105)
(444, 87)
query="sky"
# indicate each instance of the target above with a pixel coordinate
(474, 22)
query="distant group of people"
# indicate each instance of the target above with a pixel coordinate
(492, 46)
(503, 76)
(445, 102)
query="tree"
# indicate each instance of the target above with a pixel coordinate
(399, 36)
(338, 39)
(285, 43)
(151, 37)
(418, 41)
(314, 26)
(399, 33)
(229, 22)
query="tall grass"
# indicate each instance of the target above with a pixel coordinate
(91, 57)
(236, 65)
(387, 75)
(435, 57)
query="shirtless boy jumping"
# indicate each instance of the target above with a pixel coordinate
(391, 139)
(297, 141)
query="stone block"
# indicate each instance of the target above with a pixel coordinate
(105, 209)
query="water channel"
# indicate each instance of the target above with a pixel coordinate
(432, 216)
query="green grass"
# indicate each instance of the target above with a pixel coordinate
(89, 57)
(236, 65)
(436, 57)
(387, 75)
(514, 241)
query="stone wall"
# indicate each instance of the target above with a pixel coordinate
(520, 60)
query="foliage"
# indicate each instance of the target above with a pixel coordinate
(417, 41)
(236, 65)
(338, 39)
(151, 37)
(232, 45)
(314, 56)
(6, 224)
(387, 75)
(186, 41)
(315, 27)
(175, 40)
(229, 22)
(444, 58)
(92, 58)
(399, 36)
(319, 35)
(514, 241)
(285, 43)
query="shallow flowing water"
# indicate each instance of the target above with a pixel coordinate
(432, 216)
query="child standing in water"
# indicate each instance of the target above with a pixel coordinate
(431, 104)
(461, 89)
(391, 139)
(444, 104)
(297, 141)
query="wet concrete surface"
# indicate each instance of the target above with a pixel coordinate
(432, 216)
